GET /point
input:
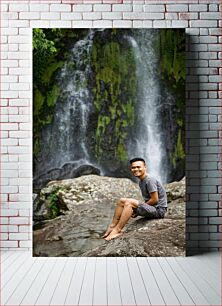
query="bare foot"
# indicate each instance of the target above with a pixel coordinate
(108, 231)
(114, 234)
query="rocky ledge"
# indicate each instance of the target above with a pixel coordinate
(84, 207)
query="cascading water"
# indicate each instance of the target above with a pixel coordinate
(147, 139)
(65, 139)
(69, 141)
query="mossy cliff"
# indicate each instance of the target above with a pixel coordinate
(171, 48)
(114, 93)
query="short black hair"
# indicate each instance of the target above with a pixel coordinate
(137, 159)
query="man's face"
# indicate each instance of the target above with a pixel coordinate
(138, 169)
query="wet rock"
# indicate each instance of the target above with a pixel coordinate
(90, 202)
(67, 171)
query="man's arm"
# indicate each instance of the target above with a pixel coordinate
(154, 198)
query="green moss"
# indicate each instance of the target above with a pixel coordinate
(178, 153)
(52, 67)
(114, 94)
(55, 206)
(52, 96)
(38, 102)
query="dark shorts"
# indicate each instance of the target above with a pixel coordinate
(149, 211)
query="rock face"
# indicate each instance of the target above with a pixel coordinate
(86, 205)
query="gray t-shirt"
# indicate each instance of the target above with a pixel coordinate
(149, 185)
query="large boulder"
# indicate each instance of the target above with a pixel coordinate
(86, 205)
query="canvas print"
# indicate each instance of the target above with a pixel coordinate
(109, 142)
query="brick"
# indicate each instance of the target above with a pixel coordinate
(9, 213)
(13, 47)
(203, 23)
(25, 244)
(137, 8)
(9, 244)
(171, 16)
(121, 7)
(208, 205)
(208, 212)
(207, 16)
(19, 23)
(215, 78)
(83, 8)
(215, 31)
(12, 158)
(162, 24)
(4, 220)
(204, 32)
(18, 150)
(39, 23)
(60, 8)
(9, 228)
(209, 166)
(210, 244)
(112, 15)
(82, 24)
(18, 236)
(177, 8)
(42, 7)
(197, 7)
(18, 7)
(179, 23)
(9, 63)
(213, 7)
(199, 236)
(215, 63)
(215, 197)
(188, 16)
(147, 23)
(71, 16)
(93, 15)
(102, 24)
(60, 24)
(25, 229)
(138, 23)
(24, 213)
(208, 40)
(51, 16)
(102, 7)
(9, 126)
(19, 220)
(154, 8)
(208, 55)
(29, 15)
(134, 15)
(122, 23)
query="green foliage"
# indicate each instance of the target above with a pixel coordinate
(114, 94)
(54, 203)
(53, 206)
(178, 154)
(172, 50)
(173, 72)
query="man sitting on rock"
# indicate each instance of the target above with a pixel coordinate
(154, 205)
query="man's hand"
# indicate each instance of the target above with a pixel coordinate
(134, 214)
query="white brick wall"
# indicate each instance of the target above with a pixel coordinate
(201, 20)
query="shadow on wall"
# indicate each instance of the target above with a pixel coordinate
(197, 227)
(193, 195)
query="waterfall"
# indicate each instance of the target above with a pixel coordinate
(69, 141)
(147, 140)
(65, 139)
